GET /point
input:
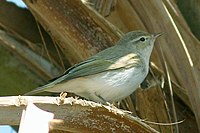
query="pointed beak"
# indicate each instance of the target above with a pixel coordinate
(158, 35)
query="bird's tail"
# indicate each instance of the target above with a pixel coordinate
(40, 89)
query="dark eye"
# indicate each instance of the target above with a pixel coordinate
(142, 39)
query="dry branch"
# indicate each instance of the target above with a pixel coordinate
(24, 30)
(76, 115)
(78, 30)
(40, 65)
(187, 59)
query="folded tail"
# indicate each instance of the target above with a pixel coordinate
(40, 89)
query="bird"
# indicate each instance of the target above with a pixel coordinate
(112, 74)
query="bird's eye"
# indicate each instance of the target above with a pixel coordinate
(142, 39)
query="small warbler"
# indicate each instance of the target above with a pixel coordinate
(111, 74)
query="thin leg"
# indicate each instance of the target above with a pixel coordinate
(100, 97)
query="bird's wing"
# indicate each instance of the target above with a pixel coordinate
(97, 65)
(92, 66)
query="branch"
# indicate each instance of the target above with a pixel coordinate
(76, 115)
(78, 30)
(43, 67)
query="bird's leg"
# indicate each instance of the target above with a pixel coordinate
(100, 97)
(104, 101)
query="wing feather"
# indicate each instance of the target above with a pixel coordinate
(96, 65)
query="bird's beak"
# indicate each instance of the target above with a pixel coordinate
(158, 35)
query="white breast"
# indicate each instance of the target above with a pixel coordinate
(111, 86)
(119, 84)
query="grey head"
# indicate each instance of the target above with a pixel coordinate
(140, 42)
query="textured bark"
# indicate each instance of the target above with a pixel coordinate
(79, 31)
(74, 115)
